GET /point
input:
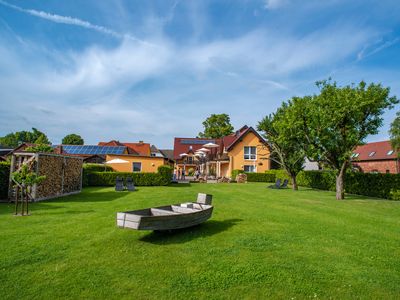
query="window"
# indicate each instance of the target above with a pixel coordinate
(355, 155)
(250, 169)
(137, 166)
(390, 152)
(372, 154)
(250, 152)
(189, 159)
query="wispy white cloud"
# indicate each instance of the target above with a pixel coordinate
(71, 21)
(369, 50)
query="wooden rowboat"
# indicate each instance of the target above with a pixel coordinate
(168, 217)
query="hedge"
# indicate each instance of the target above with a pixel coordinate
(139, 179)
(166, 173)
(235, 173)
(260, 177)
(279, 174)
(366, 184)
(91, 167)
(4, 179)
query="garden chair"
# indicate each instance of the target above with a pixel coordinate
(284, 184)
(277, 185)
(119, 184)
(129, 184)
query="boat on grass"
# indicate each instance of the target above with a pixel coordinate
(168, 217)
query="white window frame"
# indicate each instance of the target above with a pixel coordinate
(133, 166)
(251, 166)
(249, 154)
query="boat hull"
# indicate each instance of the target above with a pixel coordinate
(165, 217)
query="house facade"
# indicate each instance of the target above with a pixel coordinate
(244, 150)
(378, 157)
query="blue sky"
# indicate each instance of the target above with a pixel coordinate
(154, 70)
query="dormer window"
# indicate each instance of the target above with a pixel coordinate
(372, 154)
(390, 152)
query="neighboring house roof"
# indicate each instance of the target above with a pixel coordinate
(241, 134)
(374, 151)
(184, 145)
(139, 148)
(168, 153)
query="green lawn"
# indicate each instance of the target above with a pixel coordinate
(260, 243)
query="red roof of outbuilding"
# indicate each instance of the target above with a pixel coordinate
(381, 149)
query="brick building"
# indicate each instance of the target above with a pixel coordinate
(378, 157)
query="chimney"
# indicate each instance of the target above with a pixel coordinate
(140, 142)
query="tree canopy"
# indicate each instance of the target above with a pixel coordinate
(19, 137)
(335, 121)
(395, 133)
(281, 134)
(73, 139)
(216, 126)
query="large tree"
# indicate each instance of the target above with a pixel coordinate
(395, 133)
(339, 119)
(19, 137)
(216, 126)
(72, 139)
(282, 137)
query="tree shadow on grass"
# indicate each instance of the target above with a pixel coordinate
(179, 236)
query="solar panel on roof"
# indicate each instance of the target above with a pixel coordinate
(90, 149)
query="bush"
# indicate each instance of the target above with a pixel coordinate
(191, 172)
(279, 174)
(235, 173)
(366, 184)
(4, 179)
(91, 167)
(166, 173)
(395, 195)
(139, 179)
(322, 180)
(260, 177)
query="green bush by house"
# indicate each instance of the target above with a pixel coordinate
(91, 167)
(366, 184)
(166, 173)
(279, 174)
(260, 177)
(4, 178)
(235, 173)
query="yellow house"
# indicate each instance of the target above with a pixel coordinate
(244, 150)
(136, 163)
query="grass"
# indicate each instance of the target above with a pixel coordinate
(260, 243)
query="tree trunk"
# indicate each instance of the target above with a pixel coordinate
(339, 183)
(294, 182)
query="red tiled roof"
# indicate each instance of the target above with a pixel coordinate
(381, 150)
(180, 148)
(224, 142)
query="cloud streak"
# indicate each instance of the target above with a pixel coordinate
(71, 21)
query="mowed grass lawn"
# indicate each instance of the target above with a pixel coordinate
(259, 244)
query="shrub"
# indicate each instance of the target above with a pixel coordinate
(366, 184)
(139, 179)
(235, 173)
(166, 173)
(92, 167)
(279, 174)
(395, 195)
(322, 180)
(260, 177)
(191, 172)
(4, 179)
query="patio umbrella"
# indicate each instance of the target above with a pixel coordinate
(117, 161)
(203, 150)
(183, 154)
(211, 145)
